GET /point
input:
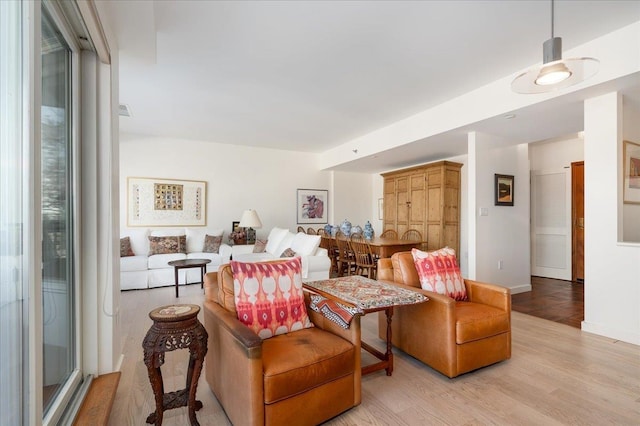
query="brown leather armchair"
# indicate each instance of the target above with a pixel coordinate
(451, 337)
(305, 377)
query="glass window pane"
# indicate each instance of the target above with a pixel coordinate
(13, 282)
(57, 255)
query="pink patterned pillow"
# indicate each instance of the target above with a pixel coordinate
(438, 272)
(269, 297)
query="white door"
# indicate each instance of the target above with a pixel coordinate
(551, 223)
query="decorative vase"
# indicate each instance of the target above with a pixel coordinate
(334, 231)
(327, 229)
(345, 227)
(368, 231)
(356, 229)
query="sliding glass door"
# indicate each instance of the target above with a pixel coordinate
(58, 289)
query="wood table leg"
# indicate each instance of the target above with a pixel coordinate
(176, 269)
(389, 354)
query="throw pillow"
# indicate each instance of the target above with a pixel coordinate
(212, 243)
(438, 272)
(125, 247)
(260, 246)
(269, 297)
(288, 253)
(167, 245)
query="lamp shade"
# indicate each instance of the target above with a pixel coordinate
(250, 219)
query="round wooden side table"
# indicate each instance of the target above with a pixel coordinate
(175, 327)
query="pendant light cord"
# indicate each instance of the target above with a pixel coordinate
(552, 19)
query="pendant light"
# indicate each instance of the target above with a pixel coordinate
(555, 72)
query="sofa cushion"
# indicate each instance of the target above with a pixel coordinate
(167, 245)
(439, 272)
(133, 263)
(125, 247)
(269, 297)
(305, 244)
(320, 357)
(139, 238)
(475, 321)
(285, 243)
(215, 258)
(160, 261)
(273, 240)
(196, 236)
(212, 243)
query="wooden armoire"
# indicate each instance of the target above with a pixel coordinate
(426, 198)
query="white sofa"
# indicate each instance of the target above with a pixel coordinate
(143, 271)
(316, 264)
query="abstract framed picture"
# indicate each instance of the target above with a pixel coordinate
(631, 178)
(312, 205)
(166, 202)
(504, 186)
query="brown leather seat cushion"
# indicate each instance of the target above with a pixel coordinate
(320, 357)
(475, 321)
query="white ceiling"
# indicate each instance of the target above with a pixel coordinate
(312, 75)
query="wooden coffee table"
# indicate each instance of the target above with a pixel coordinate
(368, 296)
(190, 263)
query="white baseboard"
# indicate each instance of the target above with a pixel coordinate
(612, 333)
(521, 288)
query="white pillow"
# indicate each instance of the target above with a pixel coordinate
(195, 238)
(139, 241)
(284, 244)
(273, 240)
(304, 244)
(169, 232)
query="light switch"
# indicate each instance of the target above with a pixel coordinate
(484, 211)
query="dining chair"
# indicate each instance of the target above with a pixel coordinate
(311, 231)
(346, 259)
(321, 232)
(301, 229)
(365, 261)
(412, 234)
(389, 233)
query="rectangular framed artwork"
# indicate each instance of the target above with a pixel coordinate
(380, 208)
(312, 206)
(631, 178)
(166, 202)
(504, 186)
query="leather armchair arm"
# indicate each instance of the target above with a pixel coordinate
(489, 294)
(248, 342)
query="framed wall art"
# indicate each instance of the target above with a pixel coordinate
(631, 178)
(166, 202)
(312, 206)
(504, 186)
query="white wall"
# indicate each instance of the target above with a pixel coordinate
(237, 177)
(556, 153)
(612, 269)
(631, 212)
(502, 235)
(353, 199)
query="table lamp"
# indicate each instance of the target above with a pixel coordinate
(250, 220)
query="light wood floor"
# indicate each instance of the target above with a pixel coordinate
(558, 375)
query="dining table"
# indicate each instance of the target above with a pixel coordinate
(385, 247)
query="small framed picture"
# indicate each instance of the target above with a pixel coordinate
(631, 178)
(380, 208)
(235, 226)
(313, 206)
(504, 190)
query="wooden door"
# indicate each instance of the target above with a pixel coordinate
(417, 203)
(577, 221)
(402, 204)
(390, 203)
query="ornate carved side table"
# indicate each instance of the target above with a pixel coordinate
(175, 327)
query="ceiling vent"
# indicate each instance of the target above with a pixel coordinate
(124, 111)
